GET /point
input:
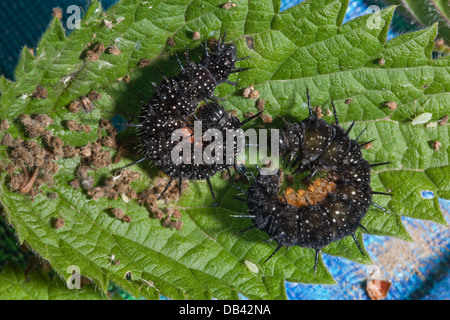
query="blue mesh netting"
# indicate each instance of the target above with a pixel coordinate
(23, 23)
(418, 271)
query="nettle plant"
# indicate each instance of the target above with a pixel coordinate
(60, 152)
(426, 12)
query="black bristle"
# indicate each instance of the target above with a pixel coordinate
(273, 253)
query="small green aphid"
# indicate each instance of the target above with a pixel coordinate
(422, 118)
(251, 266)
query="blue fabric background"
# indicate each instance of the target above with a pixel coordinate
(418, 271)
(23, 22)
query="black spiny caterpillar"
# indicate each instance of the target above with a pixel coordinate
(158, 144)
(178, 96)
(174, 106)
(339, 192)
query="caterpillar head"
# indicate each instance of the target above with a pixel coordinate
(221, 60)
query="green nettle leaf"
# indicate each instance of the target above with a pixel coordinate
(38, 285)
(427, 12)
(382, 85)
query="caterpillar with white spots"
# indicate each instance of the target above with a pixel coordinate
(174, 106)
(338, 193)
